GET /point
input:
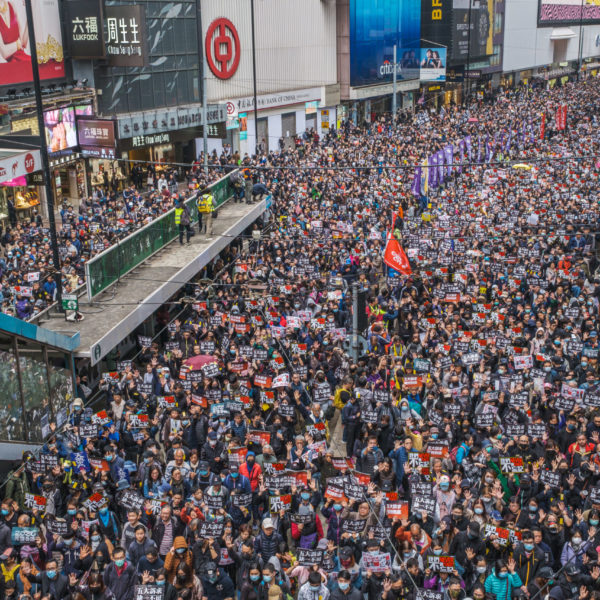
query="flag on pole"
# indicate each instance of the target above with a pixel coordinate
(394, 256)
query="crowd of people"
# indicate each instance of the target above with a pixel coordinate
(259, 451)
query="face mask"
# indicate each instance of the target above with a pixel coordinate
(51, 574)
(254, 577)
(338, 507)
(4, 512)
(212, 443)
(576, 541)
(532, 508)
(160, 582)
(594, 522)
(547, 369)
(305, 496)
(444, 486)
(103, 511)
(180, 550)
(212, 578)
(503, 575)
(454, 593)
(344, 585)
(68, 542)
(267, 578)
(72, 511)
(437, 551)
(481, 570)
(315, 588)
(203, 473)
(528, 547)
(472, 535)
(235, 475)
(95, 538)
(434, 436)
(120, 562)
(479, 511)
(108, 457)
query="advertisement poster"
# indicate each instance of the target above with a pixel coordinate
(479, 16)
(568, 12)
(375, 27)
(61, 132)
(433, 64)
(96, 132)
(16, 67)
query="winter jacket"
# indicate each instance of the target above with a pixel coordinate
(174, 559)
(120, 585)
(502, 588)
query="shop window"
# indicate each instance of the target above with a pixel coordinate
(498, 23)
(11, 421)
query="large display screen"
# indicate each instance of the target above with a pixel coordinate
(15, 65)
(478, 16)
(568, 12)
(375, 27)
(61, 131)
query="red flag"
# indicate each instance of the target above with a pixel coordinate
(394, 256)
(543, 126)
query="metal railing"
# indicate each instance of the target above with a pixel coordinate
(109, 266)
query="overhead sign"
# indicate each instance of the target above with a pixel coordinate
(222, 47)
(433, 64)
(125, 35)
(568, 12)
(84, 27)
(19, 165)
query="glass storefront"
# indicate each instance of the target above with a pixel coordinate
(24, 199)
(37, 386)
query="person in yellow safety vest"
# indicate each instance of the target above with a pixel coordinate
(206, 206)
(183, 220)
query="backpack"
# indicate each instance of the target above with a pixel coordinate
(452, 454)
(337, 399)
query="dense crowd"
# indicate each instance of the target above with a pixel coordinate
(254, 452)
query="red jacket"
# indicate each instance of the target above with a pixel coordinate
(252, 475)
(297, 534)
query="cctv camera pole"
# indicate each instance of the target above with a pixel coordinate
(44, 152)
(254, 77)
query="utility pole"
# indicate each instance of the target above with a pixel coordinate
(469, 57)
(580, 43)
(395, 98)
(354, 337)
(254, 77)
(44, 152)
(202, 81)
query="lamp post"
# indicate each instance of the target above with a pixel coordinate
(44, 151)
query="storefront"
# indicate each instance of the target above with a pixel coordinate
(19, 190)
(69, 181)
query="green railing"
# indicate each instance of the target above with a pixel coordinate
(112, 264)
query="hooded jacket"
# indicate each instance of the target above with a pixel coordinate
(174, 559)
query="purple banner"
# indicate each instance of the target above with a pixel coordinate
(449, 152)
(441, 170)
(479, 149)
(433, 172)
(416, 184)
(468, 145)
(487, 148)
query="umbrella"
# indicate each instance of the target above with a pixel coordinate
(473, 120)
(195, 363)
(522, 166)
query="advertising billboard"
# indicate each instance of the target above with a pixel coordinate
(61, 131)
(433, 64)
(15, 66)
(478, 15)
(375, 27)
(84, 29)
(96, 132)
(568, 12)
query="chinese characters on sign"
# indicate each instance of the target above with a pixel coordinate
(124, 34)
(150, 140)
(84, 28)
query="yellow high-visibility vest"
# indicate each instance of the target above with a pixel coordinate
(178, 213)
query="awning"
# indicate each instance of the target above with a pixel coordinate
(562, 33)
(15, 163)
